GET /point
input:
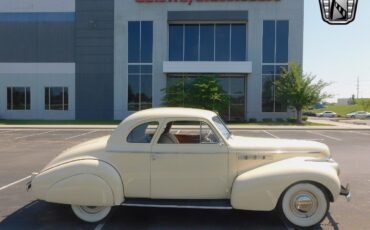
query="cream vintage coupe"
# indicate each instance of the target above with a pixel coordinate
(187, 158)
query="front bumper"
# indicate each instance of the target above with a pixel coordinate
(345, 191)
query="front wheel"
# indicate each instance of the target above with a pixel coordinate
(304, 205)
(91, 213)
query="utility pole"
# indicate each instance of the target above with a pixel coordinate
(358, 87)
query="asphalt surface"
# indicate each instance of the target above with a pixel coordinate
(25, 151)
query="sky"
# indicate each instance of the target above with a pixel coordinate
(338, 53)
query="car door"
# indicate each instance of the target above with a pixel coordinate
(192, 166)
(131, 156)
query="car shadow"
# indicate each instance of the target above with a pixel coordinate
(43, 215)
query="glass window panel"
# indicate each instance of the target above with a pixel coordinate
(282, 40)
(280, 68)
(237, 99)
(143, 133)
(146, 69)
(267, 93)
(224, 83)
(269, 41)
(19, 98)
(47, 101)
(238, 42)
(133, 106)
(237, 85)
(146, 42)
(181, 132)
(222, 43)
(176, 40)
(207, 136)
(56, 98)
(133, 69)
(66, 98)
(280, 106)
(207, 42)
(146, 88)
(28, 98)
(268, 69)
(172, 80)
(9, 98)
(133, 42)
(191, 42)
(236, 112)
(133, 92)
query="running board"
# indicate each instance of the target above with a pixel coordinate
(191, 204)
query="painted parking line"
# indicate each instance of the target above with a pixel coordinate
(36, 134)
(361, 133)
(6, 131)
(80, 135)
(14, 183)
(323, 135)
(271, 134)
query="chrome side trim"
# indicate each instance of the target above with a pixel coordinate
(177, 206)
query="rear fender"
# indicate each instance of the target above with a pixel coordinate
(261, 188)
(82, 182)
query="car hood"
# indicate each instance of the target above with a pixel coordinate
(270, 146)
(88, 149)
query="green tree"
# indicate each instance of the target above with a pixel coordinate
(204, 92)
(299, 90)
(364, 103)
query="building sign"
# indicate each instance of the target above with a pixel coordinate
(189, 2)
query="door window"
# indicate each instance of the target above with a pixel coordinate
(187, 132)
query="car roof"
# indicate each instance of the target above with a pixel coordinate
(166, 112)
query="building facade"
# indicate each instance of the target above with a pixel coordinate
(105, 59)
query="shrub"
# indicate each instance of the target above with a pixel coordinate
(304, 118)
(281, 120)
(267, 120)
(252, 120)
(292, 120)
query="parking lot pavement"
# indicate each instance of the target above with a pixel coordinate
(25, 151)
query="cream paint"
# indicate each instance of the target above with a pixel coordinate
(252, 172)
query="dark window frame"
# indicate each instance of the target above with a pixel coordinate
(271, 67)
(48, 104)
(140, 67)
(174, 45)
(26, 96)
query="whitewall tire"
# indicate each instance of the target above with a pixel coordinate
(91, 213)
(304, 205)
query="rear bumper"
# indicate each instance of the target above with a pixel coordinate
(345, 191)
(29, 183)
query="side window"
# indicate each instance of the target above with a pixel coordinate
(187, 132)
(143, 133)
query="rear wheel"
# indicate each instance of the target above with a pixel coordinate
(91, 213)
(304, 205)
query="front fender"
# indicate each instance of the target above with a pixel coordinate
(261, 188)
(81, 182)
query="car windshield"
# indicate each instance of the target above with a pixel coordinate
(221, 127)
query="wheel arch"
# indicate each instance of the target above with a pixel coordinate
(260, 189)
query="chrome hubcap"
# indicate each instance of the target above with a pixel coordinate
(303, 204)
(91, 209)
